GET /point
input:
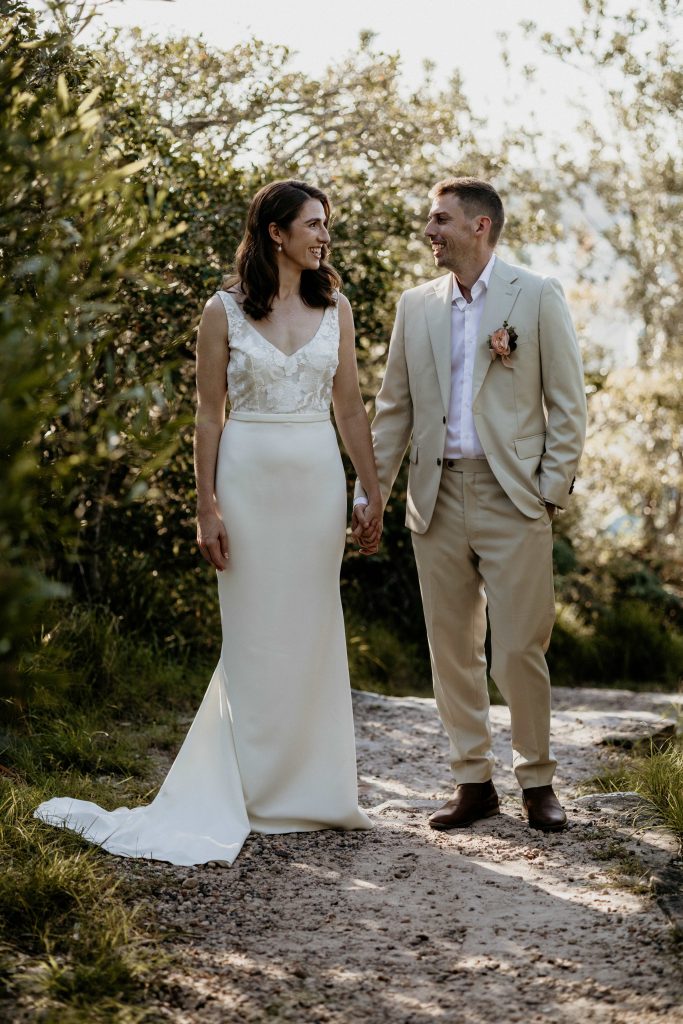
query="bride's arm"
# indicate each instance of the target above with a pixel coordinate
(353, 425)
(212, 364)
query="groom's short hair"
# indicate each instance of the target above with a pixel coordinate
(478, 198)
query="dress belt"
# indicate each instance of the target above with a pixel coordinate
(279, 417)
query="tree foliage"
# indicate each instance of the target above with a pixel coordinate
(633, 167)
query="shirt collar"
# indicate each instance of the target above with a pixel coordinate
(480, 285)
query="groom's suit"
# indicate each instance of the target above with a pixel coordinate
(481, 531)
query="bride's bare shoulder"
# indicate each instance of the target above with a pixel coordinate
(214, 319)
(214, 307)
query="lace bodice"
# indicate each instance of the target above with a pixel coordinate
(261, 378)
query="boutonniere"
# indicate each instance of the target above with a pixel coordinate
(503, 343)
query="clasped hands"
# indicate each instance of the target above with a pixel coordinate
(367, 526)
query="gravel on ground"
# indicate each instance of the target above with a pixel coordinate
(404, 925)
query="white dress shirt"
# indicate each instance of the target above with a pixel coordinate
(462, 441)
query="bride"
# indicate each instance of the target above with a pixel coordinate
(271, 748)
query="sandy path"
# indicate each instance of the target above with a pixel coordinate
(405, 925)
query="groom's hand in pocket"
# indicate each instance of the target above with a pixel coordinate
(212, 539)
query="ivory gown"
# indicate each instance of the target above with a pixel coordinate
(272, 745)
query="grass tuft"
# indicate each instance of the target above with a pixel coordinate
(55, 890)
(658, 777)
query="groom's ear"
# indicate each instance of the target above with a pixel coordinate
(483, 225)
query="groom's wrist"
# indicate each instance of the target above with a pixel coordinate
(360, 500)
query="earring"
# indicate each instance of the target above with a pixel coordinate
(279, 248)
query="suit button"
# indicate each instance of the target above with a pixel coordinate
(444, 419)
(438, 462)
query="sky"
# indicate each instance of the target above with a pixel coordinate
(454, 34)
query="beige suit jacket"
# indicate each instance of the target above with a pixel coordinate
(531, 418)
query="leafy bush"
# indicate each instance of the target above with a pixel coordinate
(383, 661)
(634, 644)
(75, 226)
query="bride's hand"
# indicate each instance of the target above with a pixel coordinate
(212, 539)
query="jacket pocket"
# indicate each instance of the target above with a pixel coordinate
(412, 455)
(530, 447)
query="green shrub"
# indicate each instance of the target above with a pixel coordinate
(89, 659)
(628, 643)
(634, 644)
(379, 660)
(75, 225)
(572, 656)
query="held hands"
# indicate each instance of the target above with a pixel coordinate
(367, 526)
(212, 539)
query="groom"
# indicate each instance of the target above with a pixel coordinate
(484, 374)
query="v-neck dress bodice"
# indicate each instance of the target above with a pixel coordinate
(262, 378)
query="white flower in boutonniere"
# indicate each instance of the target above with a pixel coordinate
(503, 343)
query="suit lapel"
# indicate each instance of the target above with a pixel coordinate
(438, 313)
(501, 296)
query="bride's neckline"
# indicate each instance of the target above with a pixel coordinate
(266, 341)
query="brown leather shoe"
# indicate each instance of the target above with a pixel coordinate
(470, 802)
(544, 809)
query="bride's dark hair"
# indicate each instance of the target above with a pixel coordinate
(256, 268)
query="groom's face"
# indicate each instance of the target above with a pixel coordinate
(451, 232)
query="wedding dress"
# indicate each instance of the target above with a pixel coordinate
(271, 748)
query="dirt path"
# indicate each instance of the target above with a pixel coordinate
(490, 925)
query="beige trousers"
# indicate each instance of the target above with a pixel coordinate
(481, 550)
